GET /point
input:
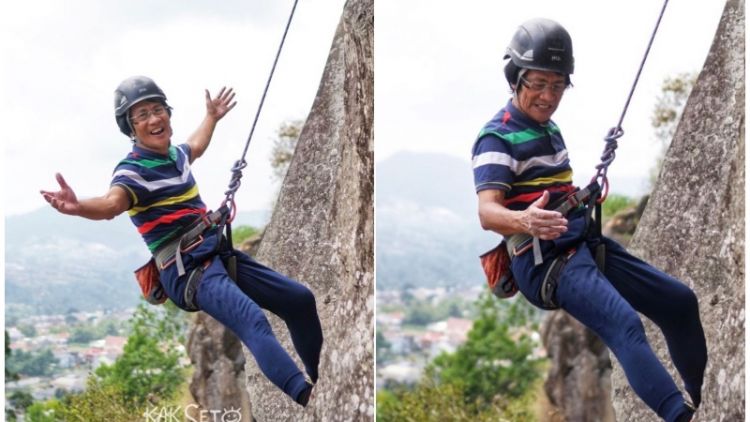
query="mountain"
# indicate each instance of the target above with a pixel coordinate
(54, 262)
(427, 229)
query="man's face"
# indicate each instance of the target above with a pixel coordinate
(150, 121)
(539, 94)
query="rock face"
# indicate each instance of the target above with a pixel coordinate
(321, 233)
(216, 353)
(693, 227)
(578, 382)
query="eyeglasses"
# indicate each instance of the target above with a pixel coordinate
(555, 88)
(146, 114)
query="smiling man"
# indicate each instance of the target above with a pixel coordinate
(155, 185)
(520, 166)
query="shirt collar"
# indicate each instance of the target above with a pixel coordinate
(142, 152)
(521, 117)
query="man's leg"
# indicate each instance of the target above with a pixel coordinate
(670, 304)
(589, 297)
(291, 301)
(220, 297)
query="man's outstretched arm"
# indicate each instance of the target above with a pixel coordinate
(215, 109)
(105, 207)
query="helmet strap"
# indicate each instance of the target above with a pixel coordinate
(517, 85)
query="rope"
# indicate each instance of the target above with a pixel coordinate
(239, 165)
(616, 132)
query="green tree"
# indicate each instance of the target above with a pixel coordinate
(9, 375)
(491, 377)
(495, 362)
(82, 335)
(102, 402)
(148, 369)
(148, 373)
(382, 347)
(420, 314)
(49, 411)
(35, 364)
(17, 401)
(616, 203)
(20, 400)
(283, 147)
(242, 233)
(430, 402)
(27, 329)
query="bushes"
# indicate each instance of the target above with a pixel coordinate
(491, 377)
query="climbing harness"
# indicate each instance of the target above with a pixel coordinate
(193, 235)
(517, 244)
(496, 262)
(552, 278)
(592, 196)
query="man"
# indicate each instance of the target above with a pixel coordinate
(155, 185)
(521, 166)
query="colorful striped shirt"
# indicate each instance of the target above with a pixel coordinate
(163, 193)
(521, 157)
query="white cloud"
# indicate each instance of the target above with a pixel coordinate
(62, 62)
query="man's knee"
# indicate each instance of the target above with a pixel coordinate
(302, 297)
(684, 297)
(633, 329)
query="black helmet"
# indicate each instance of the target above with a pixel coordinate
(539, 44)
(131, 91)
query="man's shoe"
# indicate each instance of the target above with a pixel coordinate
(689, 414)
(304, 396)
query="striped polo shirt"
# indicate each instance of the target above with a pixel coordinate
(163, 193)
(517, 155)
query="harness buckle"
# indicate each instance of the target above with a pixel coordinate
(522, 248)
(198, 240)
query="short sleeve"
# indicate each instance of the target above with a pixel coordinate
(491, 163)
(185, 148)
(123, 177)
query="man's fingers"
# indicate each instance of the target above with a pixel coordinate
(61, 181)
(221, 92)
(550, 232)
(552, 229)
(542, 201)
(545, 217)
(47, 197)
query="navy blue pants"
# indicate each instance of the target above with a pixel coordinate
(238, 307)
(608, 304)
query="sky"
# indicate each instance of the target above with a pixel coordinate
(438, 70)
(438, 74)
(61, 62)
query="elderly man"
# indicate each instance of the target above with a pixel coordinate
(521, 166)
(155, 185)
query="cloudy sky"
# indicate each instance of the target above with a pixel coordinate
(61, 62)
(438, 79)
(439, 74)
